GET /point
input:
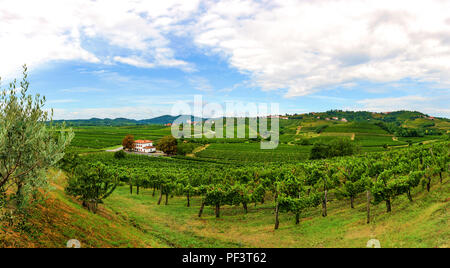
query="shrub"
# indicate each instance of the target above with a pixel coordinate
(120, 154)
(92, 183)
(338, 147)
(185, 148)
(168, 145)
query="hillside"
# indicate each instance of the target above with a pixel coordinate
(61, 218)
(160, 120)
(301, 131)
(398, 116)
(136, 221)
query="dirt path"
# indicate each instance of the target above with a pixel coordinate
(353, 137)
(115, 150)
(299, 128)
(197, 150)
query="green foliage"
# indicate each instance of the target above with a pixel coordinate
(338, 147)
(251, 153)
(28, 145)
(168, 145)
(321, 128)
(294, 186)
(92, 183)
(185, 148)
(120, 154)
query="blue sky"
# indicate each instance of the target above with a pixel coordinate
(135, 59)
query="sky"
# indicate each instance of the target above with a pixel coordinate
(136, 59)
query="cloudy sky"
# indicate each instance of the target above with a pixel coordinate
(135, 59)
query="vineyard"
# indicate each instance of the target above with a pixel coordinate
(251, 152)
(96, 138)
(379, 179)
(327, 184)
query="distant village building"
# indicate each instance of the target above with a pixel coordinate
(335, 118)
(344, 120)
(328, 119)
(168, 124)
(144, 146)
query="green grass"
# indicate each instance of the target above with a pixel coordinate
(424, 223)
(355, 127)
(62, 218)
(137, 221)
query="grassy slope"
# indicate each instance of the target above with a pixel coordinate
(136, 221)
(421, 224)
(62, 218)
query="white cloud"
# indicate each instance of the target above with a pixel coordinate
(298, 46)
(131, 112)
(135, 61)
(37, 32)
(303, 46)
(201, 83)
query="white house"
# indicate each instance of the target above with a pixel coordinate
(144, 146)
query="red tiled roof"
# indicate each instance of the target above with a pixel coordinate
(143, 141)
(149, 147)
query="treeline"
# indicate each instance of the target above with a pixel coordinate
(399, 131)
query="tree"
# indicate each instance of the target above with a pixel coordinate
(442, 165)
(319, 151)
(120, 154)
(167, 186)
(352, 173)
(326, 178)
(384, 188)
(92, 183)
(29, 142)
(69, 162)
(338, 147)
(128, 142)
(168, 145)
(185, 148)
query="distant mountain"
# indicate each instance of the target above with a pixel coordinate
(398, 116)
(160, 120)
(99, 122)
